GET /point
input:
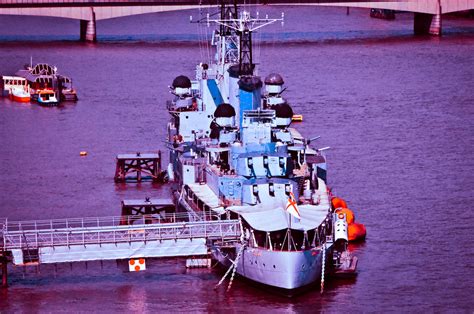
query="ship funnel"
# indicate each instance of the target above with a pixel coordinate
(249, 94)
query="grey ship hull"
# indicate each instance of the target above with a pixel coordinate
(277, 269)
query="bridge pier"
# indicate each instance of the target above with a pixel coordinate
(435, 27)
(88, 28)
(428, 23)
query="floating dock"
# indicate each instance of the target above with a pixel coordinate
(106, 238)
(143, 166)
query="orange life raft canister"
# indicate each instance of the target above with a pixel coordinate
(337, 202)
(356, 232)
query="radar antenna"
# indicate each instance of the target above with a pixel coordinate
(243, 26)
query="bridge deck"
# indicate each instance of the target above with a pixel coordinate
(71, 240)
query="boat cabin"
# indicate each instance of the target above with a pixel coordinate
(10, 82)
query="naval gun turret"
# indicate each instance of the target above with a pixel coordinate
(223, 127)
(273, 89)
(181, 88)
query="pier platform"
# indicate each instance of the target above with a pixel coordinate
(93, 239)
(138, 167)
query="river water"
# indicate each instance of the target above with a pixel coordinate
(397, 111)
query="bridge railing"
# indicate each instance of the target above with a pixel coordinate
(93, 2)
(68, 232)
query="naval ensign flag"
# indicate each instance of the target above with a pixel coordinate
(291, 206)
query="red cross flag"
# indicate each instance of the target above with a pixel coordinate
(136, 264)
(292, 207)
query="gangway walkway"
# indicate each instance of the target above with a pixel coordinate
(106, 238)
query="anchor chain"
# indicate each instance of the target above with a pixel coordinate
(232, 267)
(236, 262)
(323, 267)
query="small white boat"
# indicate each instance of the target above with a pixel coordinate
(47, 97)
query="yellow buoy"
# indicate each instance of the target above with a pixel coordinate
(297, 117)
(83, 153)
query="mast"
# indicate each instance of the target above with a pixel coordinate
(227, 11)
(243, 26)
(246, 65)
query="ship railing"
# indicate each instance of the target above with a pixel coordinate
(38, 235)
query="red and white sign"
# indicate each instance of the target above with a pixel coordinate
(136, 264)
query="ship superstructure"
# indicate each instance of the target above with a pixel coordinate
(234, 155)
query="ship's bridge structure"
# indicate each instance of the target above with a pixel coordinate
(427, 13)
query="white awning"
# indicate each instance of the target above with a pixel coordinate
(205, 194)
(273, 217)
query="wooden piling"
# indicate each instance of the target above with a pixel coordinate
(4, 271)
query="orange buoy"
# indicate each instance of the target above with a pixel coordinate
(349, 214)
(337, 202)
(356, 232)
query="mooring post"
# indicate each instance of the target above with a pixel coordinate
(4, 271)
(119, 170)
(125, 213)
(159, 160)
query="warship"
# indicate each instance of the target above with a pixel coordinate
(234, 155)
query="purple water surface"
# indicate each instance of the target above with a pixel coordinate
(397, 111)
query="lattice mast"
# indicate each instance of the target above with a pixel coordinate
(243, 26)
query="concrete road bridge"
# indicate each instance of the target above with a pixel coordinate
(427, 19)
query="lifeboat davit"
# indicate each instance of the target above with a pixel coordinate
(356, 232)
(349, 214)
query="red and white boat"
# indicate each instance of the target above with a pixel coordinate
(20, 94)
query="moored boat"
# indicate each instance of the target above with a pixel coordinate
(47, 97)
(234, 155)
(382, 14)
(20, 94)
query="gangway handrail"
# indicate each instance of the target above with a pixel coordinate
(13, 239)
(97, 221)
